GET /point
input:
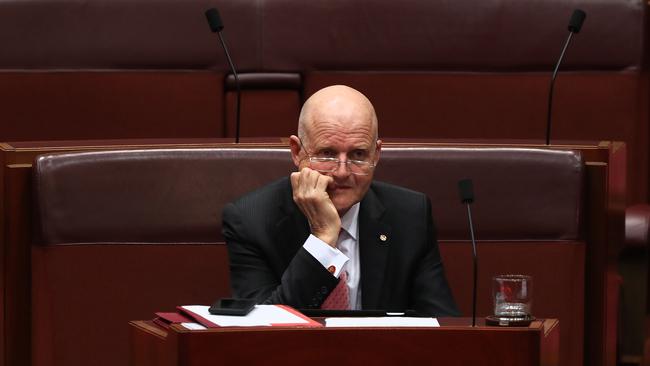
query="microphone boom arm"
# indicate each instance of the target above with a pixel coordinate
(234, 72)
(550, 91)
(475, 262)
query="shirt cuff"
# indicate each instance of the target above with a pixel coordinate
(327, 256)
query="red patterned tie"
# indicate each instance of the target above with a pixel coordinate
(339, 298)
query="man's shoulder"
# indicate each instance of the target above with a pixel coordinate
(274, 192)
(400, 199)
(391, 190)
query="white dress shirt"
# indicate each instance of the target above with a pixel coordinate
(345, 257)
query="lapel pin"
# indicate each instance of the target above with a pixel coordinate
(383, 237)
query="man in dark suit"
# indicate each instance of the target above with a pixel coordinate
(329, 236)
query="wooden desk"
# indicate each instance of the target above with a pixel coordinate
(454, 343)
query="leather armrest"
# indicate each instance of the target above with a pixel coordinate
(268, 80)
(637, 224)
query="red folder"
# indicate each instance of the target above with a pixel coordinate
(209, 324)
(166, 319)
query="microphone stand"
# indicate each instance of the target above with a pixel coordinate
(237, 85)
(475, 262)
(216, 26)
(467, 197)
(550, 92)
(575, 24)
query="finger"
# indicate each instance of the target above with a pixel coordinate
(308, 179)
(304, 176)
(323, 182)
(317, 177)
(303, 185)
(295, 180)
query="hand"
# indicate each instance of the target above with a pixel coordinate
(310, 194)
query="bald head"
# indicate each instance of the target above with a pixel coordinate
(337, 125)
(337, 104)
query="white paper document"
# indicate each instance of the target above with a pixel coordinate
(262, 315)
(193, 326)
(389, 321)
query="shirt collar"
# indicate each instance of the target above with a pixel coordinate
(350, 221)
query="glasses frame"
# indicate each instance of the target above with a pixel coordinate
(347, 162)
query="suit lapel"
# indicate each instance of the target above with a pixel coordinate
(374, 244)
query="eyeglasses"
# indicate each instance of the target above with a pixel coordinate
(330, 165)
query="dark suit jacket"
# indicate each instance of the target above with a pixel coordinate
(265, 231)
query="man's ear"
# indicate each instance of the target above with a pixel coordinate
(294, 144)
(377, 152)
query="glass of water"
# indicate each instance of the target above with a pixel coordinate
(513, 296)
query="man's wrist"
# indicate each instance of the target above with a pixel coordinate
(327, 256)
(328, 238)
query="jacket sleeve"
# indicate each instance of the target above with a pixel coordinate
(256, 267)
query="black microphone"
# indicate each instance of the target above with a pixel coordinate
(466, 189)
(216, 26)
(575, 23)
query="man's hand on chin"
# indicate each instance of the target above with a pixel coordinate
(310, 194)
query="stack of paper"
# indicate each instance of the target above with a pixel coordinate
(262, 315)
(388, 321)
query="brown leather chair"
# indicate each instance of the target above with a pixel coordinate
(123, 234)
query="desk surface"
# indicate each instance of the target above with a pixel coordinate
(454, 343)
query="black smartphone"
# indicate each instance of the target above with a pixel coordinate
(232, 307)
